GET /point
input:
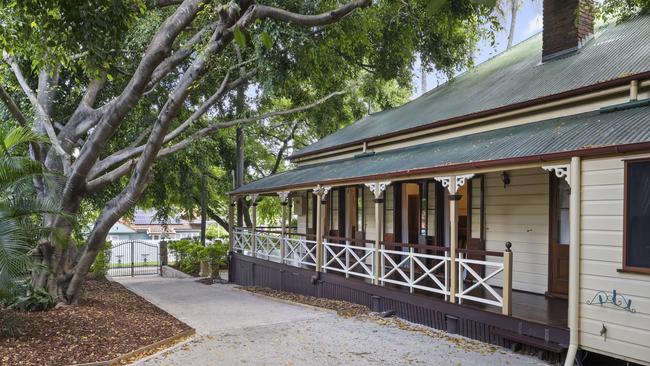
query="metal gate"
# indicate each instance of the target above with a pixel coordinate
(134, 257)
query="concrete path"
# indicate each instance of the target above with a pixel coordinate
(237, 328)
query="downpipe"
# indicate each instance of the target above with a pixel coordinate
(574, 261)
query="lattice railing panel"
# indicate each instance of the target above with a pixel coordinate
(420, 271)
(467, 272)
(349, 259)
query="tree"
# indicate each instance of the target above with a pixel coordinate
(118, 89)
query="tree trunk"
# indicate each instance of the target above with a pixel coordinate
(514, 9)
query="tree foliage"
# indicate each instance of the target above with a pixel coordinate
(134, 102)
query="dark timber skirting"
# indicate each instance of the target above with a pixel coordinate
(454, 318)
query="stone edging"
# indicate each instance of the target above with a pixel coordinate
(118, 360)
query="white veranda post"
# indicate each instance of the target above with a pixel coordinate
(452, 183)
(284, 200)
(377, 189)
(254, 223)
(321, 193)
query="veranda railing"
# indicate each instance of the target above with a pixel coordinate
(478, 277)
(421, 267)
(352, 257)
(416, 267)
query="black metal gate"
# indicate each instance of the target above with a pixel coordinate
(134, 257)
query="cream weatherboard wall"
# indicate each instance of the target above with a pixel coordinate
(519, 213)
(628, 334)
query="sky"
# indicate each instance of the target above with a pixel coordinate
(529, 22)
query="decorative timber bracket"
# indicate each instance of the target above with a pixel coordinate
(284, 196)
(458, 181)
(561, 171)
(377, 188)
(321, 191)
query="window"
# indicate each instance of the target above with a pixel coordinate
(636, 237)
(562, 199)
(431, 208)
(477, 212)
(334, 209)
(389, 207)
(360, 218)
(310, 211)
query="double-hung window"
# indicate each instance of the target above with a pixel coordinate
(636, 237)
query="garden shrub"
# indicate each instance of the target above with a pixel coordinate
(100, 267)
(29, 298)
(190, 254)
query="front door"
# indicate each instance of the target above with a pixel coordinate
(558, 260)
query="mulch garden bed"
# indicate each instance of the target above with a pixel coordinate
(109, 322)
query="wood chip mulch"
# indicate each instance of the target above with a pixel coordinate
(109, 322)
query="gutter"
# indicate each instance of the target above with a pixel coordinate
(593, 151)
(630, 81)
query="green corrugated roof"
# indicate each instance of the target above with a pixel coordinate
(512, 77)
(583, 131)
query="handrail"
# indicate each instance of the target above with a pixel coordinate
(352, 240)
(480, 252)
(302, 235)
(414, 246)
(263, 230)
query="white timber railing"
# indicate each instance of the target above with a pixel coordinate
(268, 246)
(426, 269)
(477, 278)
(351, 260)
(243, 241)
(427, 272)
(299, 251)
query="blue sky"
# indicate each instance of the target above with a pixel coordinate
(529, 22)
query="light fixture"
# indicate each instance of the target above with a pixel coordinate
(505, 178)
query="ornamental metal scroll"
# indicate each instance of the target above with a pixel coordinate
(601, 298)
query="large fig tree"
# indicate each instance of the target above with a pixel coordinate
(114, 87)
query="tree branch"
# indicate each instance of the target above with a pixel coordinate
(114, 175)
(241, 121)
(38, 107)
(132, 151)
(268, 12)
(283, 148)
(21, 119)
(177, 57)
(13, 107)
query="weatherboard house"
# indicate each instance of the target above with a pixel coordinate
(511, 205)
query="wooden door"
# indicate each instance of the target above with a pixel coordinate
(558, 259)
(413, 218)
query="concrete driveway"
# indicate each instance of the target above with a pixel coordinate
(237, 328)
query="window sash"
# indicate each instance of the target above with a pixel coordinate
(636, 237)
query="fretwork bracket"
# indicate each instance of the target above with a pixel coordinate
(560, 171)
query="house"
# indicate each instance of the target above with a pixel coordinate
(511, 205)
(145, 226)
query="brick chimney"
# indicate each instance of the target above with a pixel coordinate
(568, 24)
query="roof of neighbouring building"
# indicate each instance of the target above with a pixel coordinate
(595, 132)
(511, 78)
